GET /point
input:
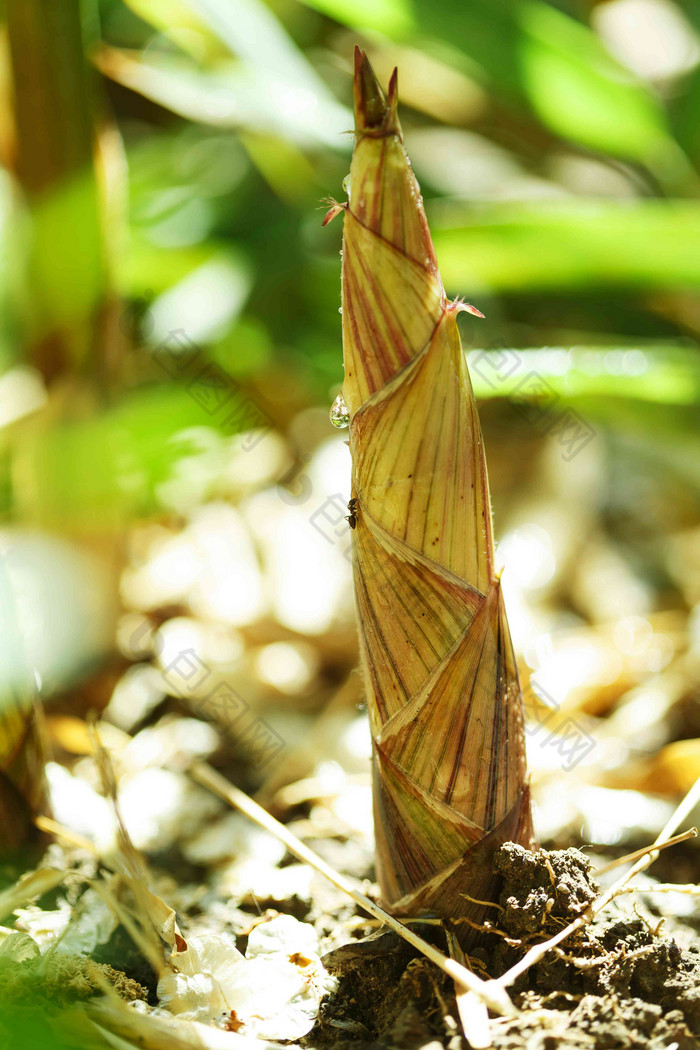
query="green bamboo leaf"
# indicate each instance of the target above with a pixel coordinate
(177, 20)
(232, 95)
(658, 374)
(205, 303)
(67, 272)
(579, 91)
(687, 117)
(565, 245)
(96, 474)
(270, 88)
(150, 268)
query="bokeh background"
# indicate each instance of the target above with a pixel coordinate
(172, 490)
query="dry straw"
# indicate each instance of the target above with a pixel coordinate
(441, 679)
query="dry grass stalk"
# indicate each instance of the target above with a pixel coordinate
(691, 833)
(499, 1001)
(28, 887)
(441, 679)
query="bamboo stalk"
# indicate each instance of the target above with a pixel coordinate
(55, 109)
(67, 312)
(442, 686)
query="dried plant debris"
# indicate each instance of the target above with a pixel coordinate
(226, 969)
(229, 972)
(272, 992)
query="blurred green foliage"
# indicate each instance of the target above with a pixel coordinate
(560, 175)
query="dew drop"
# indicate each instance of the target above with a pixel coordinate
(339, 413)
(340, 309)
(346, 184)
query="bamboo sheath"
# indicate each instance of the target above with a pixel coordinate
(442, 685)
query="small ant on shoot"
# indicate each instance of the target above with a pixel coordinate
(351, 518)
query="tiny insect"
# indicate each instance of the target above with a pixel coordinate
(351, 518)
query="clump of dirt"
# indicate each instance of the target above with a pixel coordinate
(615, 984)
(656, 971)
(378, 992)
(561, 1022)
(541, 886)
(632, 986)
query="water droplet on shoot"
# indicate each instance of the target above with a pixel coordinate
(346, 184)
(339, 413)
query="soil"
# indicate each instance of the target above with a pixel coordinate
(617, 983)
(629, 979)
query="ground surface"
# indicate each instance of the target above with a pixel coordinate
(629, 979)
(618, 983)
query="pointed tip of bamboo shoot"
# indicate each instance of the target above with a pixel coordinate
(375, 113)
